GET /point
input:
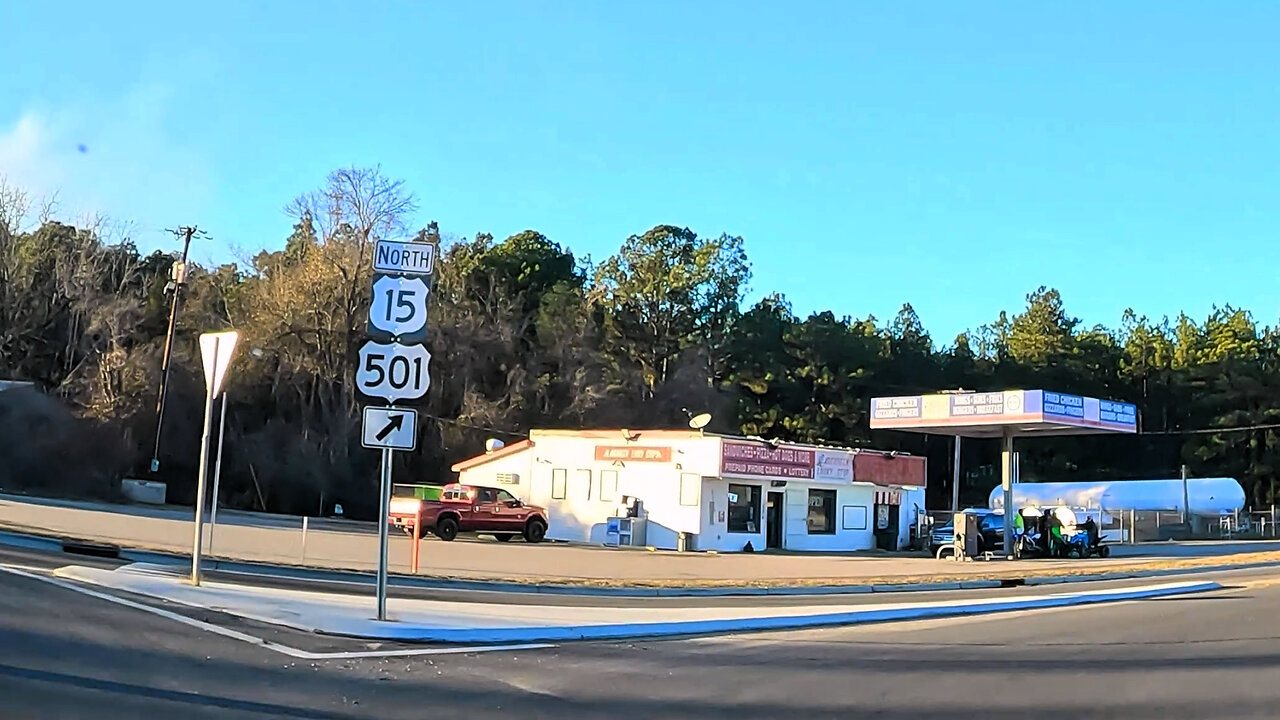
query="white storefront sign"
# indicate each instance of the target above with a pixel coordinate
(833, 466)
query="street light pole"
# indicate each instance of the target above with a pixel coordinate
(179, 278)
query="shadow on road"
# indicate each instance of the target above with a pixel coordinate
(174, 696)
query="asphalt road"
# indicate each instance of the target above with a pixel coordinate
(66, 655)
(47, 560)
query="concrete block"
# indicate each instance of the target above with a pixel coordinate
(148, 492)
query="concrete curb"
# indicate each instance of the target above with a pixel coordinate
(43, 542)
(391, 631)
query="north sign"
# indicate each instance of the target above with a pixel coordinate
(404, 258)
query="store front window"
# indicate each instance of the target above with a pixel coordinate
(744, 508)
(822, 512)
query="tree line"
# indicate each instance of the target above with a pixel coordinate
(525, 334)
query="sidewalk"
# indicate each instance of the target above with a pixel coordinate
(459, 622)
(348, 546)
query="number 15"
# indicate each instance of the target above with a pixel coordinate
(403, 299)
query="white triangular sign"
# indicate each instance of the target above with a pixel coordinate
(215, 351)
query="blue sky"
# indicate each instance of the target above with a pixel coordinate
(952, 155)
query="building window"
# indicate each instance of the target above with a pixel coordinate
(608, 485)
(559, 479)
(853, 517)
(822, 512)
(690, 485)
(584, 479)
(744, 508)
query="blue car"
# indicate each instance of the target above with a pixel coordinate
(990, 528)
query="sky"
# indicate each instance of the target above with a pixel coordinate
(953, 155)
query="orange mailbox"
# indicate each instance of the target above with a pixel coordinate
(406, 512)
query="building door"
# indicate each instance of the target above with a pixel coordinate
(773, 521)
(887, 526)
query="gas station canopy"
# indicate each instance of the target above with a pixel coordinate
(1006, 415)
(1010, 413)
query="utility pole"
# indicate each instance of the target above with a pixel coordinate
(178, 278)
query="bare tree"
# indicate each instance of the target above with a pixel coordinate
(359, 204)
(15, 206)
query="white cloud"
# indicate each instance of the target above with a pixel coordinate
(116, 158)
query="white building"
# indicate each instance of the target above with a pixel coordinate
(720, 491)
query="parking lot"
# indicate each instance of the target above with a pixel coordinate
(349, 545)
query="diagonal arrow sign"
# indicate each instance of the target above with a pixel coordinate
(394, 424)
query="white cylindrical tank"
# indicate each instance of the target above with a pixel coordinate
(1208, 497)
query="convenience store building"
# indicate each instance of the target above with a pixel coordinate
(719, 492)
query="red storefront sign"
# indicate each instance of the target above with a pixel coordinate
(886, 469)
(632, 453)
(739, 458)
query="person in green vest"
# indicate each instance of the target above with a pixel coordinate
(1019, 529)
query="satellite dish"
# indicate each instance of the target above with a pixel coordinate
(493, 444)
(699, 421)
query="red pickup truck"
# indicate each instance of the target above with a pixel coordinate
(473, 509)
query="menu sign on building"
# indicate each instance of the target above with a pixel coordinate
(760, 459)
(1062, 405)
(978, 404)
(893, 408)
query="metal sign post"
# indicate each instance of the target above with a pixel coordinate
(200, 485)
(215, 351)
(384, 509)
(217, 472)
(394, 366)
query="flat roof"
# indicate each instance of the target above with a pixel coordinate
(628, 436)
(992, 414)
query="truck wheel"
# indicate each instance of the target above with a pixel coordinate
(535, 531)
(502, 538)
(447, 529)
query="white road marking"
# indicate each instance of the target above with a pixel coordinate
(27, 568)
(24, 571)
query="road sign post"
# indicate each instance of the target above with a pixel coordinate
(217, 472)
(394, 366)
(216, 350)
(384, 502)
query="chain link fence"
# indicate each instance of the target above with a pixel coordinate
(1154, 526)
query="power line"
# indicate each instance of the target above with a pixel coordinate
(460, 423)
(1212, 431)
